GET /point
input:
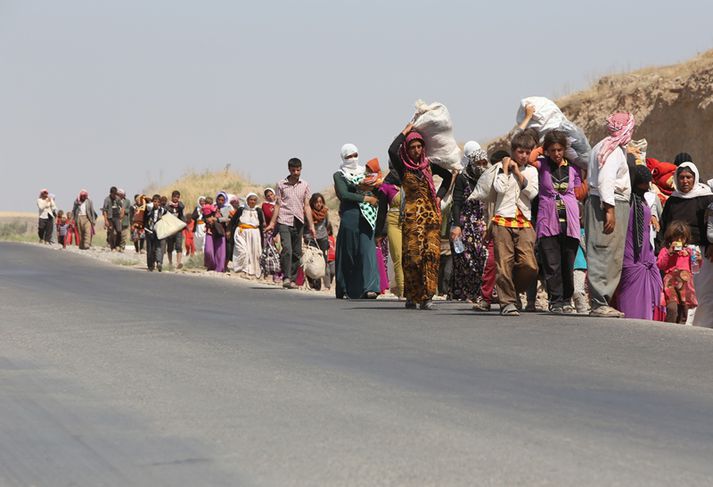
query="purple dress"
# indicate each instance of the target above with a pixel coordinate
(640, 285)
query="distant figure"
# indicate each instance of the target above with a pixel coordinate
(86, 218)
(154, 245)
(47, 211)
(112, 211)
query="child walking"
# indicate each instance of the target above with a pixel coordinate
(675, 262)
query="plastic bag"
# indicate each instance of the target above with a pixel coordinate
(548, 117)
(434, 123)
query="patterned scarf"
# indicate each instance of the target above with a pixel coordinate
(422, 166)
(620, 127)
(368, 211)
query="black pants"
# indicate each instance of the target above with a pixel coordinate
(557, 255)
(45, 226)
(154, 251)
(291, 240)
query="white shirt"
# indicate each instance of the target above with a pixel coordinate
(611, 183)
(510, 196)
(82, 211)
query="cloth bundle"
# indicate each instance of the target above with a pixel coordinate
(434, 123)
(548, 117)
(313, 262)
(168, 226)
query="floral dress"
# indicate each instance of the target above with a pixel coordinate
(468, 266)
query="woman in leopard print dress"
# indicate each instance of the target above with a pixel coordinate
(421, 219)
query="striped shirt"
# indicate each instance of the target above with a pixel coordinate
(292, 199)
(518, 222)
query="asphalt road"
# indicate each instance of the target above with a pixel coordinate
(111, 376)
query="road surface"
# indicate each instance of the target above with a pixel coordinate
(112, 376)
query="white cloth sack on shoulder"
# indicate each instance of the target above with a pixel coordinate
(168, 226)
(548, 117)
(313, 262)
(434, 123)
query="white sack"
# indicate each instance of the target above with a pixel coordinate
(433, 122)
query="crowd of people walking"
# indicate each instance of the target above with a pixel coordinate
(605, 235)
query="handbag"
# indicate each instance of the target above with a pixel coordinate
(270, 259)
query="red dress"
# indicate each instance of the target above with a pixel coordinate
(678, 278)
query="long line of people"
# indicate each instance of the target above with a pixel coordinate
(611, 228)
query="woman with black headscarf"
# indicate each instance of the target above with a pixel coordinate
(640, 284)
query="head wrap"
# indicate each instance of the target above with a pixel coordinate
(224, 195)
(266, 190)
(120, 192)
(44, 191)
(642, 175)
(621, 128)
(84, 193)
(247, 196)
(422, 165)
(473, 154)
(350, 167)
(698, 188)
(682, 157)
(198, 201)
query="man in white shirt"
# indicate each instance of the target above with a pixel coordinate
(515, 185)
(606, 214)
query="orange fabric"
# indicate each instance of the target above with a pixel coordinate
(536, 152)
(518, 222)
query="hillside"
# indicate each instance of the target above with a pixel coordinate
(673, 106)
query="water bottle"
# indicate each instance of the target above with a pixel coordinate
(695, 262)
(458, 246)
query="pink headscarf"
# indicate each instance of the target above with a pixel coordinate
(620, 127)
(423, 166)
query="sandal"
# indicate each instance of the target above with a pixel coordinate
(509, 310)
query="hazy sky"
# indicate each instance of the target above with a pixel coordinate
(98, 93)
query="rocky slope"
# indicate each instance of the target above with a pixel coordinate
(673, 106)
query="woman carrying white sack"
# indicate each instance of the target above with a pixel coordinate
(249, 224)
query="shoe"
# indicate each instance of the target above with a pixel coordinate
(370, 295)
(606, 312)
(530, 308)
(410, 304)
(556, 309)
(159, 267)
(179, 266)
(509, 310)
(568, 309)
(287, 284)
(518, 303)
(481, 304)
(427, 305)
(150, 269)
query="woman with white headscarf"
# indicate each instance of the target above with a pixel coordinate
(469, 226)
(356, 271)
(688, 203)
(249, 224)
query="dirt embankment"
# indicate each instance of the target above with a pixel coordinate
(673, 106)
